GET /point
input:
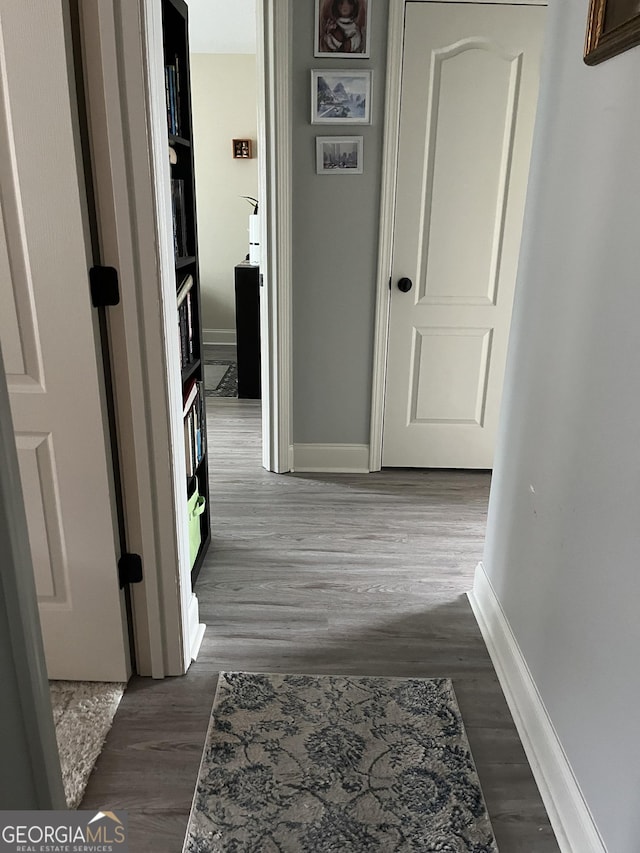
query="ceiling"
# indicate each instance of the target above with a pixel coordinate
(222, 26)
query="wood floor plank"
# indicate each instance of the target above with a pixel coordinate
(335, 574)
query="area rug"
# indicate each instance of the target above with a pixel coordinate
(83, 712)
(221, 378)
(308, 764)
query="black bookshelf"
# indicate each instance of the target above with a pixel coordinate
(179, 138)
(190, 371)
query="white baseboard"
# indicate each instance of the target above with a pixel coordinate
(568, 812)
(196, 628)
(219, 336)
(330, 458)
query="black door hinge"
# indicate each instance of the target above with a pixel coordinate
(105, 289)
(129, 569)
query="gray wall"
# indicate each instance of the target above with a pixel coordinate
(335, 238)
(563, 543)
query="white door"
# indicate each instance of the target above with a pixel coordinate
(469, 94)
(49, 344)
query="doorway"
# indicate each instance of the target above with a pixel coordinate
(224, 92)
(271, 21)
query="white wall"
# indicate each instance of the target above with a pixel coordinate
(218, 26)
(224, 101)
(563, 542)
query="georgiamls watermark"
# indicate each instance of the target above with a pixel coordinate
(63, 832)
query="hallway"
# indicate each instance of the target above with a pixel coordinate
(311, 573)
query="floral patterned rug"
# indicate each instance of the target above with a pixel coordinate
(329, 764)
(226, 381)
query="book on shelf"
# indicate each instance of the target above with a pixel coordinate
(189, 344)
(172, 92)
(177, 98)
(188, 456)
(186, 331)
(194, 426)
(178, 210)
(189, 395)
(201, 434)
(183, 288)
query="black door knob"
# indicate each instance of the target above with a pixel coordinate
(405, 285)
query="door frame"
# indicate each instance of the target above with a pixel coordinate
(391, 139)
(127, 128)
(165, 617)
(275, 147)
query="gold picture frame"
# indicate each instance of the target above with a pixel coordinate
(613, 26)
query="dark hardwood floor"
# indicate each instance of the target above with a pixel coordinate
(344, 574)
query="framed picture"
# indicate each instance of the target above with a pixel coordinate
(340, 97)
(613, 26)
(241, 149)
(339, 155)
(342, 28)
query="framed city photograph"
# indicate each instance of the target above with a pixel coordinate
(340, 97)
(613, 26)
(339, 155)
(342, 28)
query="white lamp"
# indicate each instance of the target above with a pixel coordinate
(254, 232)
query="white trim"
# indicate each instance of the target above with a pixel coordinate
(391, 139)
(114, 62)
(221, 337)
(331, 458)
(387, 217)
(197, 628)
(154, 112)
(568, 812)
(274, 47)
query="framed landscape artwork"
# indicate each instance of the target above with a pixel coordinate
(613, 26)
(342, 28)
(340, 97)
